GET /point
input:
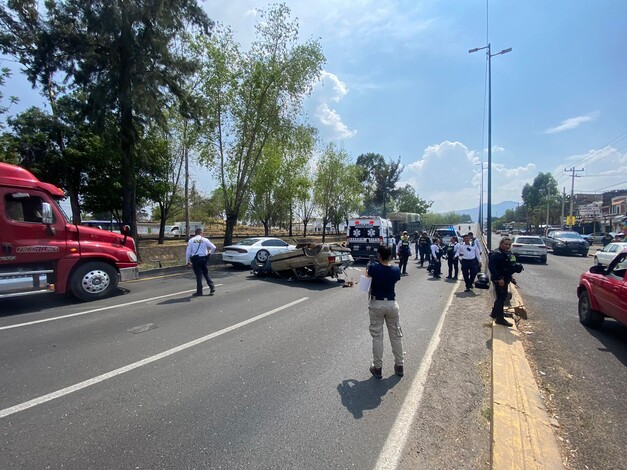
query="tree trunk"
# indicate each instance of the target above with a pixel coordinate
(324, 226)
(305, 221)
(231, 221)
(266, 228)
(162, 218)
(291, 218)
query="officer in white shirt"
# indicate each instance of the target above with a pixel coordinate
(470, 256)
(197, 255)
(477, 243)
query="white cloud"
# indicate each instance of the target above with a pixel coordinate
(572, 123)
(449, 174)
(330, 89)
(603, 169)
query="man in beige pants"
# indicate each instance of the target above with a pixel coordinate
(383, 308)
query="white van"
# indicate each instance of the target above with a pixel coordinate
(178, 229)
(365, 234)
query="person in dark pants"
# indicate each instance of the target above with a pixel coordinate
(469, 256)
(424, 243)
(452, 259)
(436, 258)
(501, 265)
(415, 240)
(383, 309)
(404, 252)
(197, 255)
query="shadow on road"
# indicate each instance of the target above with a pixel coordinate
(365, 395)
(613, 335)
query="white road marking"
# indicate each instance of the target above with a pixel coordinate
(110, 307)
(392, 451)
(101, 378)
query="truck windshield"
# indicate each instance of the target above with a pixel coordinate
(58, 204)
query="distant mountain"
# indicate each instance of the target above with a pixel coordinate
(497, 210)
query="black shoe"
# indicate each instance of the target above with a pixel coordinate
(212, 289)
(197, 294)
(502, 321)
(466, 289)
(449, 277)
(398, 370)
(376, 371)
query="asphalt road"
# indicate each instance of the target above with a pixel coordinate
(264, 374)
(582, 373)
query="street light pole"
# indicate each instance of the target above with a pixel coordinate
(489, 56)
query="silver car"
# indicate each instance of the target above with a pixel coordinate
(527, 246)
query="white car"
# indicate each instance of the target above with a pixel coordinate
(605, 256)
(260, 249)
(528, 246)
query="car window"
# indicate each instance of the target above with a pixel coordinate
(273, 243)
(529, 240)
(248, 241)
(573, 235)
(620, 268)
(614, 247)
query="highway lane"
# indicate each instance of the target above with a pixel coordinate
(290, 389)
(583, 372)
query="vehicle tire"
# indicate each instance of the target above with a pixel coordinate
(94, 280)
(543, 259)
(587, 316)
(555, 250)
(262, 256)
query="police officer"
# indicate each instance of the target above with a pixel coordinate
(470, 256)
(404, 252)
(383, 308)
(452, 258)
(424, 242)
(436, 258)
(197, 255)
(502, 268)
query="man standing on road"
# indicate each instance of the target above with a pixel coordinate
(501, 266)
(477, 243)
(469, 255)
(404, 252)
(424, 243)
(436, 258)
(383, 308)
(199, 249)
(415, 240)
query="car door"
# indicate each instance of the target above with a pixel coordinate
(609, 253)
(24, 237)
(275, 246)
(611, 289)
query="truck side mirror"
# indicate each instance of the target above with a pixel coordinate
(46, 213)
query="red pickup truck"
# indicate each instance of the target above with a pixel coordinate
(602, 292)
(42, 251)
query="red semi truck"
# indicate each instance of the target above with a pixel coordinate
(42, 251)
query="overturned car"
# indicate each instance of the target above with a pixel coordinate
(306, 261)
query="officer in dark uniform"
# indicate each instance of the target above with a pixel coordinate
(404, 252)
(502, 266)
(424, 243)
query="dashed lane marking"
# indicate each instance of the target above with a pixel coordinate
(122, 370)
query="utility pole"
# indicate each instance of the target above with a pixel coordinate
(563, 203)
(572, 187)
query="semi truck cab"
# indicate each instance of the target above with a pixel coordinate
(42, 251)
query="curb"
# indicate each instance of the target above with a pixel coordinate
(214, 260)
(522, 436)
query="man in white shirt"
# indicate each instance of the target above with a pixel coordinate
(197, 255)
(469, 255)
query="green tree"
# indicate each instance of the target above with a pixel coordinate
(250, 97)
(333, 173)
(538, 195)
(379, 182)
(118, 52)
(408, 201)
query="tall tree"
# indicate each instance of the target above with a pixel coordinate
(330, 184)
(117, 52)
(379, 181)
(250, 97)
(408, 201)
(537, 196)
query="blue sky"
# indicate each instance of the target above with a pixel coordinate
(399, 81)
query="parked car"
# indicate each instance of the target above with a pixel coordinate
(527, 246)
(602, 293)
(260, 249)
(605, 256)
(564, 242)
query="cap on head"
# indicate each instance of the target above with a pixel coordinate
(404, 232)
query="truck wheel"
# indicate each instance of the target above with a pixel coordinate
(94, 280)
(587, 316)
(262, 256)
